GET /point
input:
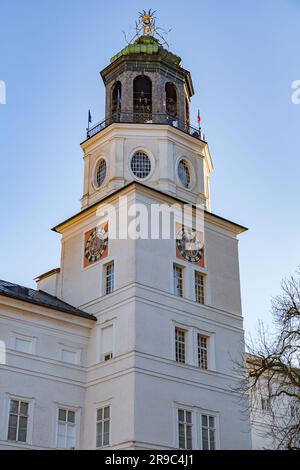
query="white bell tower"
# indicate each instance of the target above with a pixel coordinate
(169, 320)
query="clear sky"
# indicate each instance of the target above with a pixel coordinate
(243, 56)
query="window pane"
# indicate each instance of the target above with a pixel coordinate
(211, 422)
(212, 440)
(71, 416)
(188, 417)
(70, 436)
(61, 435)
(180, 415)
(181, 435)
(106, 412)
(13, 421)
(12, 433)
(106, 433)
(62, 415)
(99, 435)
(22, 435)
(205, 439)
(14, 406)
(99, 414)
(189, 437)
(23, 422)
(204, 420)
(24, 408)
(22, 428)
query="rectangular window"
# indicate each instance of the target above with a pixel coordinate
(202, 352)
(106, 343)
(180, 345)
(66, 429)
(266, 404)
(199, 287)
(178, 280)
(23, 345)
(18, 421)
(109, 278)
(208, 432)
(184, 429)
(103, 426)
(69, 356)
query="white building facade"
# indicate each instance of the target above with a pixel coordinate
(130, 343)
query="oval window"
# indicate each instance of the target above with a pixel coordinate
(100, 172)
(140, 165)
(184, 173)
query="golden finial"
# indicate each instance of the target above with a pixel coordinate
(147, 19)
(146, 26)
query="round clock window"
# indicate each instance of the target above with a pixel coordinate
(100, 172)
(184, 173)
(140, 165)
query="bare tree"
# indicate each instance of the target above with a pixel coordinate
(272, 378)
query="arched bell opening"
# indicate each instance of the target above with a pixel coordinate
(171, 100)
(142, 99)
(116, 101)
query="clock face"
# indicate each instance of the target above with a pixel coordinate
(96, 244)
(189, 245)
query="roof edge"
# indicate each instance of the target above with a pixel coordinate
(137, 183)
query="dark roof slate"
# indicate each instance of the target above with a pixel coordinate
(39, 297)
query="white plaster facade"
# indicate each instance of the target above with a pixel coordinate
(142, 383)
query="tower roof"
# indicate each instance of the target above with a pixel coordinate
(148, 46)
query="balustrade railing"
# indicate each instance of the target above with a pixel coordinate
(146, 118)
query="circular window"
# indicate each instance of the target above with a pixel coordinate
(100, 172)
(184, 173)
(140, 165)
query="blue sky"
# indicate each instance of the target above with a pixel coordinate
(243, 57)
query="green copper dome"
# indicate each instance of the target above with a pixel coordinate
(148, 45)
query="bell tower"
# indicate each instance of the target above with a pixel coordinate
(159, 372)
(146, 134)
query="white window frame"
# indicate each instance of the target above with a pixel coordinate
(23, 337)
(105, 277)
(197, 413)
(182, 269)
(100, 352)
(98, 407)
(72, 349)
(209, 414)
(203, 276)
(200, 348)
(184, 343)
(31, 402)
(186, 424)
(75, 425)
(191, 346)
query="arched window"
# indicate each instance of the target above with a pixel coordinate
(171, 100)
(116, 101)
(142, 99)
